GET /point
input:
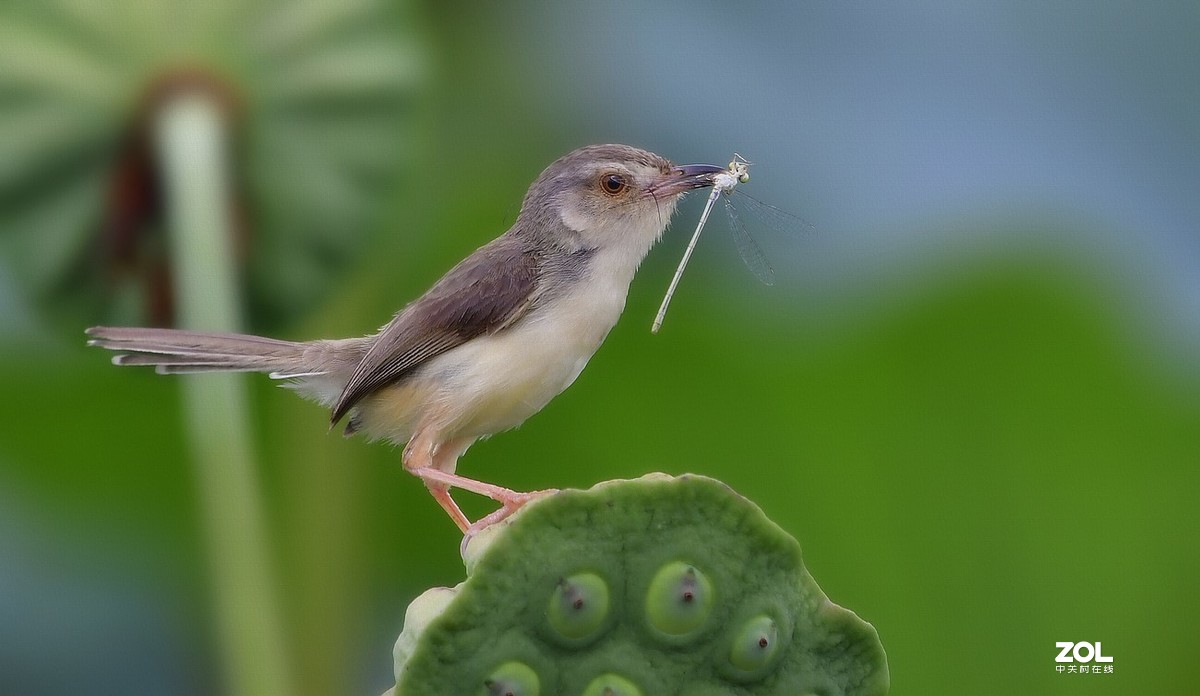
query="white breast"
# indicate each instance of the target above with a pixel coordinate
(493, 383)
(498, 381)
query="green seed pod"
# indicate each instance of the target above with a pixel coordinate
(686, 588)
(512, 679)
(578, 606)
(680, 599)
(611, 685)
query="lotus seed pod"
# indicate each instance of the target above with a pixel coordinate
(659, 585)
(421, 612)
(579, 606)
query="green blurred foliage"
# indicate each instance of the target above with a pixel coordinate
(321, 98)
(990, 459)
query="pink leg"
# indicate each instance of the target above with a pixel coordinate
(419, 456)
(434, 463)
(442, 496)
(487, 490)
(510, 500)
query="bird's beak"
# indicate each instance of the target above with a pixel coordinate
(685, 178)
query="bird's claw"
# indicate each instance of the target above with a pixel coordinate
(509, 504)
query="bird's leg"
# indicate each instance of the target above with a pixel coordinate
(419, 457)
(510, 500)
(504, 496)
(442, 495)
(439, 476)
(434, 463)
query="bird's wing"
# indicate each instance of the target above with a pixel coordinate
(486, 292)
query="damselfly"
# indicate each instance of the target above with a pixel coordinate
(737, 208)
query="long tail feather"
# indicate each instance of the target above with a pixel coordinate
(173, 351)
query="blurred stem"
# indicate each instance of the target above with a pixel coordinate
(191, 144)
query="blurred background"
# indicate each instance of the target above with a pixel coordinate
(973, 394)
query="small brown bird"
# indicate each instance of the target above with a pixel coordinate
(492, 342)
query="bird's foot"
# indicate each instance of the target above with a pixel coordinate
(440, 482)
(515, 501)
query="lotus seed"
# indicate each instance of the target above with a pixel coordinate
(679, 600)
(755, 645)
(611, 685)
(512, 679)
(578, 606)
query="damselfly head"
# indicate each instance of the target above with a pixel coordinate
(740, 168)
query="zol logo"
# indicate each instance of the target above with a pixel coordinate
(1082, 653)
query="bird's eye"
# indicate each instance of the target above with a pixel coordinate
(613, 184)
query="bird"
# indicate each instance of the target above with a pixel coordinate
(492, 342)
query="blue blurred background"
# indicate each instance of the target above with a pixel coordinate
(972, 395)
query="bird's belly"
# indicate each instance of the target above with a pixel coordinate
(501, 390)
(499, 381)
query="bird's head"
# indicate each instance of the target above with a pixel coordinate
(611, 197)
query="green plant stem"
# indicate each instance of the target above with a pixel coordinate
(190, 134)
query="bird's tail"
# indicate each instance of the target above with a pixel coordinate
(174, 351)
